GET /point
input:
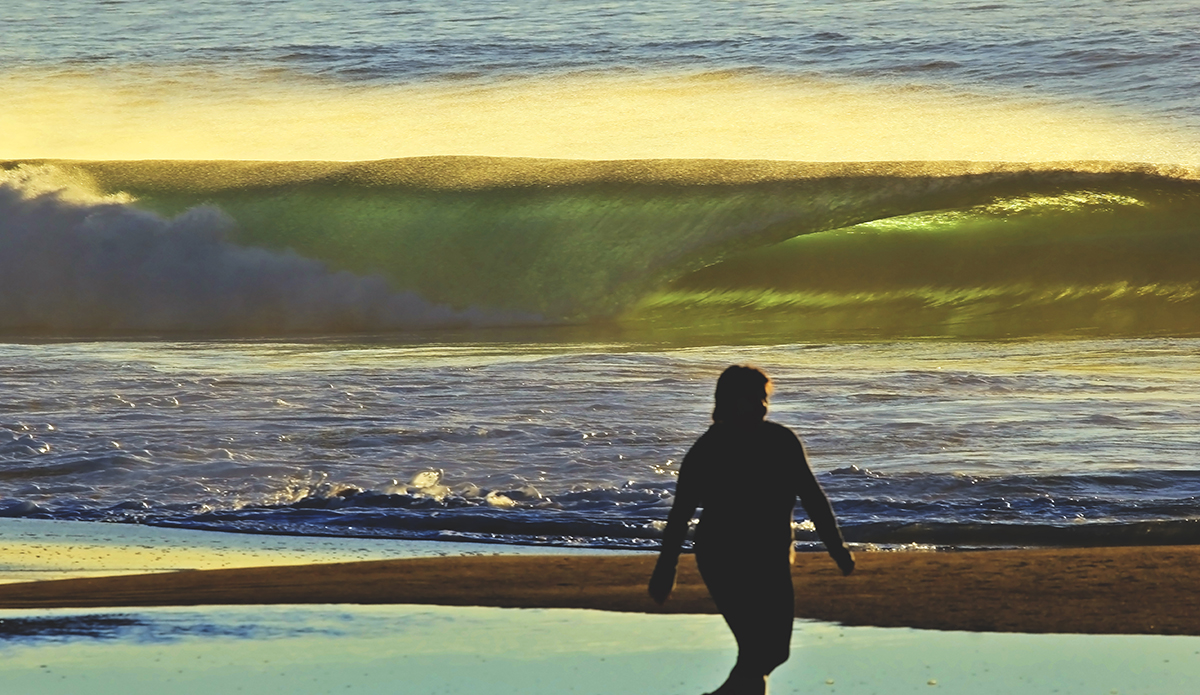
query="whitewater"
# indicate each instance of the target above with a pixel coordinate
(456, 271)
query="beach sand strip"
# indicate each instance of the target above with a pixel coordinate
(1122, 590)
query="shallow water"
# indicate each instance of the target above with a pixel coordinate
(38, 549)
(322, 649)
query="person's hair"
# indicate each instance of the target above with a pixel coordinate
(742, 393)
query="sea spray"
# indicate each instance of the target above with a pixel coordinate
(81, 263)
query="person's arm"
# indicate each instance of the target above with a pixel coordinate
(820, 512)
(662, 582)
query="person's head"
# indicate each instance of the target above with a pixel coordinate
(742, 393)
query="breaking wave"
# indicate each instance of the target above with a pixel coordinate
(77, 263)
(682, 247)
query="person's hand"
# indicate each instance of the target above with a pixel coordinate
(846, 564)
(662, 582)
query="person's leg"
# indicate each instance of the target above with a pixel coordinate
(755, 596)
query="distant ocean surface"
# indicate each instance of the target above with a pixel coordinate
(469, 271)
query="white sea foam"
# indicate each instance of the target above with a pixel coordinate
(77, 262)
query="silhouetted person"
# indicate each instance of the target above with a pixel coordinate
(746, 473)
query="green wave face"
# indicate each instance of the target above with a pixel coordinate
(563, 254)
(576, 245)
(729, 251)
(1076, 263)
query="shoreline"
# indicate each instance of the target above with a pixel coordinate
(1112, 590)
(45, 549)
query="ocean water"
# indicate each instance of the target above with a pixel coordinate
(469, 271)
(917, 442)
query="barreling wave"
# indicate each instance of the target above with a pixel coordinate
(683, 248)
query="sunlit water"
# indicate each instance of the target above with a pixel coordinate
(549, 434)
(323, 79)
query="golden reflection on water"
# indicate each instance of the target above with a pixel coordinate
(278, 116)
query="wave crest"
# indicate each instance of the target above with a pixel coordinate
(677, 249)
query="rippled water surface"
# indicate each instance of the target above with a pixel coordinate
(915, 441)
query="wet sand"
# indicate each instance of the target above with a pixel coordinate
(1135, 590)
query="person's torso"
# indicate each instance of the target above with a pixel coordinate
(748, 483)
